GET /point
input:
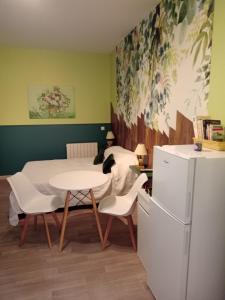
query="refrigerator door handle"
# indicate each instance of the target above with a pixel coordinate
(187, 241)
(188, 207)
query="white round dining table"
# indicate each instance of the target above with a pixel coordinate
(79, 181)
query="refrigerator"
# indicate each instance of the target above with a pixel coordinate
(181, 234)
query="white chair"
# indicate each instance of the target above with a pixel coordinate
(122, 206)
(32, 202)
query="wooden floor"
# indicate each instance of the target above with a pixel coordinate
(81, 272)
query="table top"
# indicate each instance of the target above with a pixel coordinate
(78, 180)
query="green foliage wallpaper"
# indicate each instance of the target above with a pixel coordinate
(163, 65)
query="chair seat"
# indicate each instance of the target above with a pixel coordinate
(42, 204)
(115, 205)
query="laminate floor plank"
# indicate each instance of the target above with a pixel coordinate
(83, 271)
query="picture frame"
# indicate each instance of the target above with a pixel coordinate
(51, 102)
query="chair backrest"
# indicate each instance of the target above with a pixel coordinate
(132, 194)
(137, 186)
(23, 189)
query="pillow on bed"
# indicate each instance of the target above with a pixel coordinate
(99, 158)
(117, 149)
(108, 163)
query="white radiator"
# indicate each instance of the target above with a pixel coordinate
(81, 150)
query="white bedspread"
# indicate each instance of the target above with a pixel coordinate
(39, 172)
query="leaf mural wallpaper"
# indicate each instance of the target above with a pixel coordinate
(163, 65)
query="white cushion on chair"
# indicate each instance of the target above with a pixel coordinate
(122, 205)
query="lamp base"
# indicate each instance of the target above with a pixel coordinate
(140, 162)
(109, 143)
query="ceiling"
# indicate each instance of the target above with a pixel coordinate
(80, 25)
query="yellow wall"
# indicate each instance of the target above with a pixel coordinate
(217, 82)
(89, 74)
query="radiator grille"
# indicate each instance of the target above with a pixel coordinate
(81, 150)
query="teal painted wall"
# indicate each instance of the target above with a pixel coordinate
(23, 143)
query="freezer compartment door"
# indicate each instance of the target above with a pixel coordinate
(144, 200)
(168, 255)
(143, 227)
(173, 183)
(142, 236)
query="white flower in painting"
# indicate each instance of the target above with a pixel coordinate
(53, 101)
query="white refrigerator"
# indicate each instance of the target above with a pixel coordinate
(181, 240)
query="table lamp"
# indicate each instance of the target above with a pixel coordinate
(109, 138)
(140, 151)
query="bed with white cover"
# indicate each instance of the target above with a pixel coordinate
(120, 180)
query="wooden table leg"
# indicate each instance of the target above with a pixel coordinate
(63, 226)
(97, 218)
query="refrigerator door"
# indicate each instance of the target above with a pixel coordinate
(168, 255)
(173, 183)
(206, 274)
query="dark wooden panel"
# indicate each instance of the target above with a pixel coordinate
(172, 136)
(141, 130)
(184, 130)
(130, 137)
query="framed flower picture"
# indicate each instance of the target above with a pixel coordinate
(51, 102)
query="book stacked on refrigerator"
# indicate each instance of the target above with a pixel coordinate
(208, 125)
(208, 129)
(215, 132)
(199, 127)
